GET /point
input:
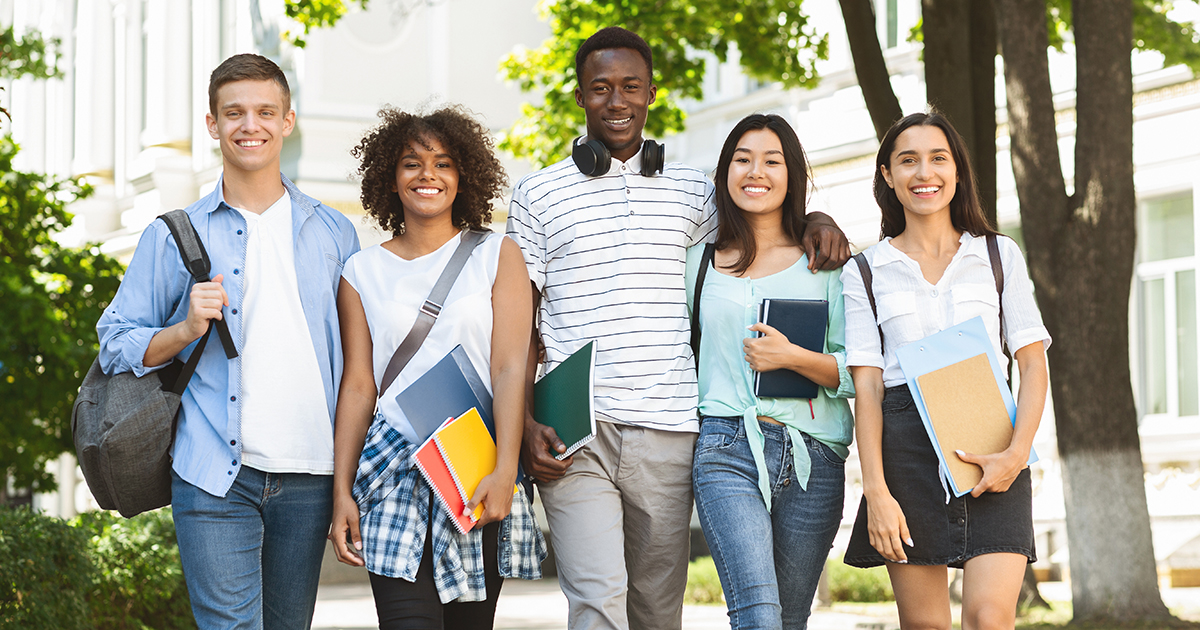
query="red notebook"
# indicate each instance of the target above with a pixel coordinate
(435, 471)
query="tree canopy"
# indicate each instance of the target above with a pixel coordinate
(776, 41)
(50, 296)
(50, 299)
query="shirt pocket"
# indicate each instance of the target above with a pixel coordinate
(898, 317)
(971, 300)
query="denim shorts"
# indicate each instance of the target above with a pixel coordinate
(943, 533)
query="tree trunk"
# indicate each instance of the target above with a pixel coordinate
(984, 49)
(1030, 596)
(869, 66)
(960, 80)
(1080, 251)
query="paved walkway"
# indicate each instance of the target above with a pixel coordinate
(540, 605)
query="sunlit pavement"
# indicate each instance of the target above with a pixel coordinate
(540, 605)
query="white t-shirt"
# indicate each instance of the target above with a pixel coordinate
(608, 255)
(285, 417)
(392, 291)
(910, 308)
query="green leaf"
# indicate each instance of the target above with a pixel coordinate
(50, 299)
(776, 40)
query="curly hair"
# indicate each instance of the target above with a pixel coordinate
(481, 178)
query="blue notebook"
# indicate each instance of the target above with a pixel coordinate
(803, 323)
(447, 390)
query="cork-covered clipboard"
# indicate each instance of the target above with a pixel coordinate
(967, 413)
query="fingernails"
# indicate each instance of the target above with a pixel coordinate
(908, 541)
(358, 545)
(959, 453)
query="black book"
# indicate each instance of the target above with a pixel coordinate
(803, 322)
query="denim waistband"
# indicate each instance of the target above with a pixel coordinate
(771, 431)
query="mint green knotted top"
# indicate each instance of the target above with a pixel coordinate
(728, 306)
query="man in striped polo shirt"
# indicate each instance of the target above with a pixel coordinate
(605, 251)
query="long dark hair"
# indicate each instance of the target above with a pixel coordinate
(966, 211)
(732, 228)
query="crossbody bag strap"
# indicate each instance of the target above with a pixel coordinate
(705, 260)
(864, 269)
(196, 261)
(431, 308)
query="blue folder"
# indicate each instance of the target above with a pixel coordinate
(942, 349)
(447, 390)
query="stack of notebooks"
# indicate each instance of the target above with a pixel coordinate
(455, 458)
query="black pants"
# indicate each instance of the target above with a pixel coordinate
(404, 605)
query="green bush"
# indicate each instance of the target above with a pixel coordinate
(45, 572)
(139, 580)
(850, 584)
(96, 572)
(703, 583)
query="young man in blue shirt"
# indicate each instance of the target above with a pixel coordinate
(253, 454)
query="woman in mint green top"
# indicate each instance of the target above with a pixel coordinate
(768, 472)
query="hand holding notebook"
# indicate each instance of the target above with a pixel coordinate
(803, 322)
(564, 400)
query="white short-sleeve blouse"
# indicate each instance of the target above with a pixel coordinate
(392, 291)
(910, 308)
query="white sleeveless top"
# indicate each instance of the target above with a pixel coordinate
(392, 291)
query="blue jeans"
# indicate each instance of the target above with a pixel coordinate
(253, 558)
(769, 562)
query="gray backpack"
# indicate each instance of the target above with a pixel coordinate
(124, 425)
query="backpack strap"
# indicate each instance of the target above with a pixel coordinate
(195, 259)
(998, 274)
(705, 260)
(864, 269)
(431, 308)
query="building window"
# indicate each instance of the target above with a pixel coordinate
(1169, 378)
(887, 16)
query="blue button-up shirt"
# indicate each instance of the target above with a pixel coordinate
(155, 294)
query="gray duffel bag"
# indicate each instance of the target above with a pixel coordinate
(123, 425)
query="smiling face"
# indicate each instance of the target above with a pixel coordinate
(615, 93)
(426, 180)
(922, 171)
(758, 174)
(251, 122)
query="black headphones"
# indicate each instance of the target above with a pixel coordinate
(593, 158)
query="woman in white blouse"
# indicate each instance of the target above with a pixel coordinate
(931, 271)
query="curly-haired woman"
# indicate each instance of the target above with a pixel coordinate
(427, 179)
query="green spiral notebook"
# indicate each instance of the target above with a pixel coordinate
(564, 400)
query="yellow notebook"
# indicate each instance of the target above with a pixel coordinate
(470, 454)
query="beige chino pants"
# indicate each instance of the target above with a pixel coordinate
(619, 523)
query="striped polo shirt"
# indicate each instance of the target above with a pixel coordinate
(607, 254)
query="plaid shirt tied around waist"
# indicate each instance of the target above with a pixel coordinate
(393, 500)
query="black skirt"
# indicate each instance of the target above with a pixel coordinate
(942, 533)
